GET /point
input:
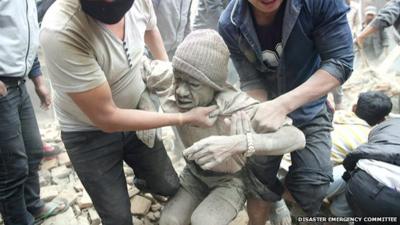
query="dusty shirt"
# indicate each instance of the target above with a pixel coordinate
(228, 101)
(82, 54)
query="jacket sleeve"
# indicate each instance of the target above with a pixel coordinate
(385, 38)
(35, 70)
(332, 37)
(249, 76)
(380, 152)
(387, 15)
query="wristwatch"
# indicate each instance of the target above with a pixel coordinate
(250, 145)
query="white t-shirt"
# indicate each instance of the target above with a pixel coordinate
(81, 54)
(385, 173)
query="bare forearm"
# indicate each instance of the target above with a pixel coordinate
(320, 84)
(367, 31)
(132, 119)
(155, 43)
(38, 81)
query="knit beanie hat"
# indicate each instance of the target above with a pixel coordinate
(204, 56)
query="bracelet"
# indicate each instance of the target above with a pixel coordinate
(250, 145)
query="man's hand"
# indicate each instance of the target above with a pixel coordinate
(211, 151)
(269, 117)
(201, 116)
(3, 89)
(42, 92)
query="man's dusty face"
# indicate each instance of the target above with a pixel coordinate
(266, 6)
(190, 93)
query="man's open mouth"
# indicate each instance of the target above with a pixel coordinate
(184, 101)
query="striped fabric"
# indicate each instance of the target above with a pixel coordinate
(346, 138)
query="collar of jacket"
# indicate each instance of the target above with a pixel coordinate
(242, 19)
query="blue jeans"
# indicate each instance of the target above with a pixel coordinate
(98, 159)
(20, 156)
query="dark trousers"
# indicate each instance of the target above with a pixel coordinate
(369, 198)
(98, 160)
(311, 170)
(20, 156)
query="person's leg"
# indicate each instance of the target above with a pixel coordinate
(280, 213)
(97, 158)
(263, 187)
(336, 194)
(220, 207)
(33, 147)
(338, 185)
(311, 171)
(257, 210)
(13, 162)
(151, 165)
(180, 207)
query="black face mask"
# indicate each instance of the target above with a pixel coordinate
(106, 12)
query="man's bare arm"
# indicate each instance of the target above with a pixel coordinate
(154, 42)
(100, 108)
(271, 115)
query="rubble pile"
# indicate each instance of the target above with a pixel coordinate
(59, 180)
(367, 80)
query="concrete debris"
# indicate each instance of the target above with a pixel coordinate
(137, 221)
(156, 207)
(48, 193)
(49, 164)
(69, 194)
(82, 220)
(60, 172)
(44, 177)
(79, 186)
(76, 209)
(63, 159)
(128, 171)
(85, 201)
(133, 191)
(140, 205)
(66, 218)
(94, 217)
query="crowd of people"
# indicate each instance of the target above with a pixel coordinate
(244, 85)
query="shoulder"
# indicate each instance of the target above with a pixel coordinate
(62, 14)
(232, 100)
(319, 7)
(66, 24)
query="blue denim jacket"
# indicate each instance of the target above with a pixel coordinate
(315, 35)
